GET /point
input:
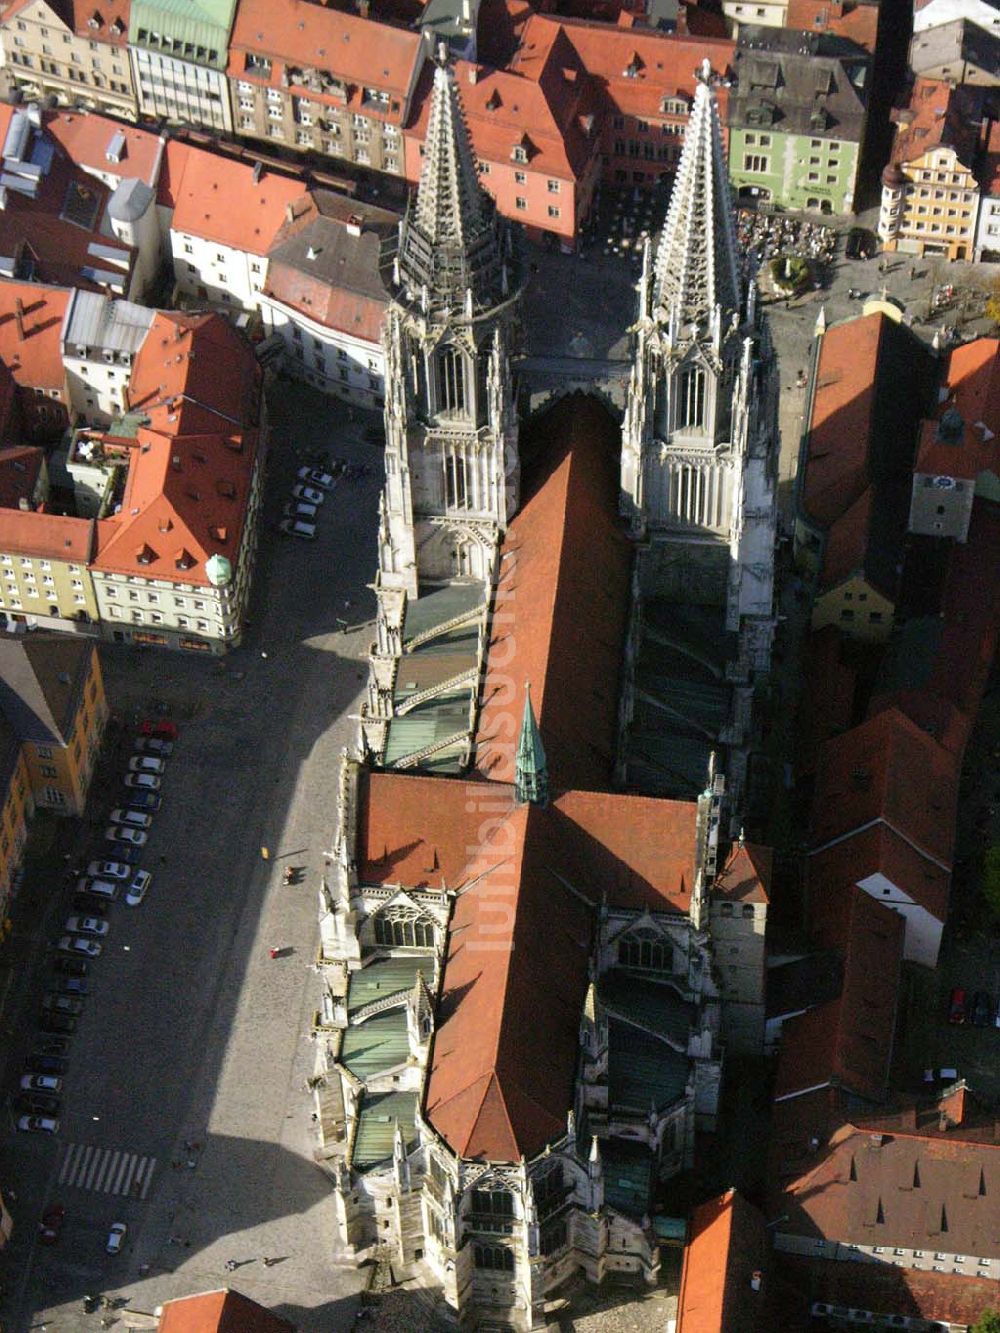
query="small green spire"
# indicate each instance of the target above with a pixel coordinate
(531, 777)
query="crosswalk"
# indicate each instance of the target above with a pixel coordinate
(106, 1170)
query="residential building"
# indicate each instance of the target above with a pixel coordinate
(797, 118)
(31, 320)
(226, 214)
(73, 50)
(855, 20)
(16, 807)
(737, 912)
(317, 77)
(179, 50)
(46, 579)
(324, 294)
(99, 341)
(930, 194)
(957, 52)
(988, 226)
(174, 557)
(698, 476)
(883, 819)
(724, 1282)
(871, 382)
(930, 13)
(739, 13)
(219, 1312)
(52, 696)
(958, 454)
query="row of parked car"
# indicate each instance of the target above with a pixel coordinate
(981, 1011)
(312, 485)
(39, 1096)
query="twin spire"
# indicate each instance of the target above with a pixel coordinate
(450, 250)
(696, 263)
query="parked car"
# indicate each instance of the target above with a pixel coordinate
(118, 833)
(982, 1011)
(146, 763)
(135, 818)
(298, 509)
(71, 967)
(64, 1023)
(154, 745)
(52, 1045)
(86, 925)
(100, 888)
(62, 1004)
(71, 986)
(46, 1064)
(308, 493)
(108, 870)
(956, 1006)
(144, 781)
(136, 891)
(41, 1083)
(86, 902)
(116, 1237)
(314, 476)
(293, 527)
(51, 1224)
(73, 944)
(144, 800)
(37, 1103)
(163, 729)
(38, 1124)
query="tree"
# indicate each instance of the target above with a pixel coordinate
(992, 308)
(988, 1322)
(991, 886)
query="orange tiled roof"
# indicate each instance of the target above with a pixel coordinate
(872, 851)
(565, 571)
(827, 706)
(20, 465)
(844, 18)
(314, 36)
(84, 137)
(219, 1312)
(218, 199)
(973, 384)
(722, 1282)
(887, 769)
(888, 1290)
(34, 359)
(848, 1041)
(746, 876)
(937, 114)
(50, 536)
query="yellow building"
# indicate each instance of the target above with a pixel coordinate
(16, 806)
(930, 196)
(45, 575)
(52, 695)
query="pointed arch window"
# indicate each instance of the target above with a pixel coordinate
(401, 927)
(452, 391)
(647, 950)
(691, 398)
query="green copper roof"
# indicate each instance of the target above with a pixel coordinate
(643, 1072)
(194, 30)
(377, 1122)
(628, 1176)
(385, 976)
(531, 775)
(652, 1005)
(378, 1044)
(441, 606)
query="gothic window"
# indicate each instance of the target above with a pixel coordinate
(647, 950)
(493, 1210)
(455, 481)
(548, 1190)
(451, 390)
(497, 1257)
(691, 399)
(552, 1237)
(403, 928)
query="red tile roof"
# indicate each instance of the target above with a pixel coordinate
(887, 770)
(723, 1286)
(84, 138)
(35, 360)
(848, 1042)
(937, 114)
(827, 707)
(218, 199)
(50, 536)
(20, 465)
(858, 22)
(219, 1312)
(564, 584)
(873, 851)
(973, 383)
(746, 876)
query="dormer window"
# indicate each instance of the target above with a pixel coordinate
(183, 560)
(519, 153)
(257, 65)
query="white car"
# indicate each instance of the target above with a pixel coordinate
(116, 1237)
(119, 833)
(136, 891)
(154, 745)
(308, 493)
(100, 888)
(299, 509)
(76, 945)
(137, 818)
(314, 476)
(86, 925)
(294, 527)
(41, 1083)
(109, 870)
(146, 763)
(40, 1124)
(145, 781)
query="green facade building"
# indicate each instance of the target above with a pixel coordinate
(179, 51)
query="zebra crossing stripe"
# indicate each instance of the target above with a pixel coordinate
(106, 1170)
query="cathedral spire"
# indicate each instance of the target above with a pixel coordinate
(531, 777)
(450, 246)
(696, 265)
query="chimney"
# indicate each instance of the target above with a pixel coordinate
(289, 213)
(19, 316)
(473, 74)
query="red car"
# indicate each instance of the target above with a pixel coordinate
(51, 1224)
(162, 730)
(956, 1006)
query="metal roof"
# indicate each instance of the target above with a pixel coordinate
(386, 976)
(190, 23)
(628, 1177)
(441, 606)
(643, 1071)
(378, 1044)
(653, 1005)
(97, 321)
(377, 1120)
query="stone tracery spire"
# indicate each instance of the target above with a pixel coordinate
(696, 263)
(450, 244)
